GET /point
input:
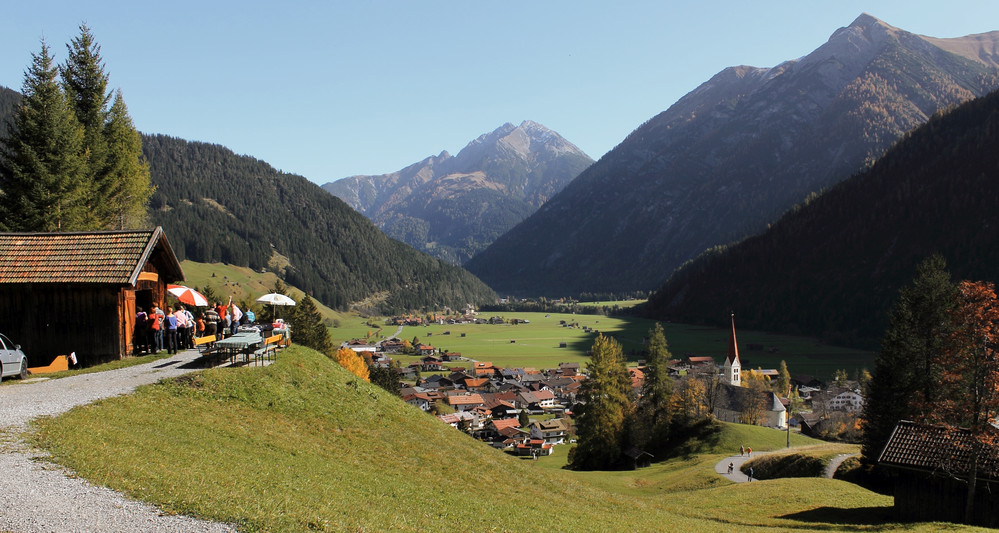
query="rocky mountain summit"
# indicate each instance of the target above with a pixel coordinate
(732, 155)
(455, 206)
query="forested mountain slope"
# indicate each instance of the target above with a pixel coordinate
(218, 206)
(833, 267)
(732, 155)
(454, 207)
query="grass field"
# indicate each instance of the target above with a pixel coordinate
(301, 445)
(537, 344)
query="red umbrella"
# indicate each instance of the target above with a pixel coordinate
(188, 295)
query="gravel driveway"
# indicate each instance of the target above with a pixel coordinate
(37, 496)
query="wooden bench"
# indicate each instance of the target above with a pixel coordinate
(206, 346)
(268, 350)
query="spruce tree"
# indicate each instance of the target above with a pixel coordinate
(904, 369)
(41, 171)
(308, 329)
(607, 406)
(123, 184)
(86, 87)
(656, 406)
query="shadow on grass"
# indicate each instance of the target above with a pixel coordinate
(857, 516)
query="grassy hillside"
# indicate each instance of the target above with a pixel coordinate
(301, 445)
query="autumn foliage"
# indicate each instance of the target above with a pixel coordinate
(353, 362)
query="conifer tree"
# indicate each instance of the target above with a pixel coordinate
(117, 176)
(904, 369)
(656, 406)
(86, 86)
(607, 406)
(123, 184)
(41, 173)
(782, 387)
(308, 328)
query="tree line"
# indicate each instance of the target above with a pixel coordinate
(70, 157)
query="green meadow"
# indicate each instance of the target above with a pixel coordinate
(302, 445)
(537, 343)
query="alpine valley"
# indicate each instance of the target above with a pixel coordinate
(729, 157)
(454, 207)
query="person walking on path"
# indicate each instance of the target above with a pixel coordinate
(750, 474)
(742, 450)
(749, 451)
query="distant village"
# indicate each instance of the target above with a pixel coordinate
(528, 411)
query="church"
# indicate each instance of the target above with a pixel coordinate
(734, 403)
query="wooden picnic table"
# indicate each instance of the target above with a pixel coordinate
(238, 343)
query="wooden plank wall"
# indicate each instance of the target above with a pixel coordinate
(50, 320)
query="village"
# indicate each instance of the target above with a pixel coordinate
(528, 411)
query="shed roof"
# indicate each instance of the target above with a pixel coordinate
(936, 449)
(107, 257)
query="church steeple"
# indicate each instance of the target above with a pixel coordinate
(732, 370)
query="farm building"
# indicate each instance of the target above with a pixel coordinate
(932, 464)
(78, 292)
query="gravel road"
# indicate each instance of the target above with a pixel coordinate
(37, 496)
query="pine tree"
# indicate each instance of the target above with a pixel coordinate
(86, 86)
(782, 387)
(41, 173)
(656, 406)
(123, 185)
(308, 329)
(607, 406)
(904, 369)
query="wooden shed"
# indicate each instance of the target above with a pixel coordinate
(78, 292)
(932, 466)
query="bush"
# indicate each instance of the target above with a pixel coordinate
(775, 466)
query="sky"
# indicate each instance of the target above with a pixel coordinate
(329, 89)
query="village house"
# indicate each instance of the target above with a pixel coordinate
(847, 400)
(554, 431)
(48, 281)
(465, 401)
(418, 399)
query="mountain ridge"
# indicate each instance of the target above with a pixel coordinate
(453, 206)
(832, 267)
(728, 158)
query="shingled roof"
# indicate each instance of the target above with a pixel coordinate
(936, 449)
(110, 257)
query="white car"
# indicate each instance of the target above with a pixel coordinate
(13, 362)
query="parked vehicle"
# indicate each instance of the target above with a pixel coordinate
(13, 362)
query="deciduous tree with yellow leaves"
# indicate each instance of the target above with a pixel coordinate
(353, 362)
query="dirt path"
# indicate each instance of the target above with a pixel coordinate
(38, 496)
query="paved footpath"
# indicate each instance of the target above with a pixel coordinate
(721, 468)
(37, 496)
(737, 460)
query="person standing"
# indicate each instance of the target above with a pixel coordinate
(750, 473)
(237, 316)
(181, 327)
(170, 323)
(139, 335)
(157, 327)
(191, 328)
(211, 321)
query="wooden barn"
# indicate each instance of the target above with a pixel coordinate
(932, 463)
(78, 292)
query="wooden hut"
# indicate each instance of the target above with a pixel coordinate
(932, 469)
(78, 292)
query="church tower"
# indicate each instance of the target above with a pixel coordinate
(731, 370)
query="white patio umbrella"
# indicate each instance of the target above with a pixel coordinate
(275, 298)
(188, 295)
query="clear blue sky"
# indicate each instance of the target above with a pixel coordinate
(330, 89)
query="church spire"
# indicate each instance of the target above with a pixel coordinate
(732, 369)
(733, 348)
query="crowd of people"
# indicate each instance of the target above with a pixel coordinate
(177, 328)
